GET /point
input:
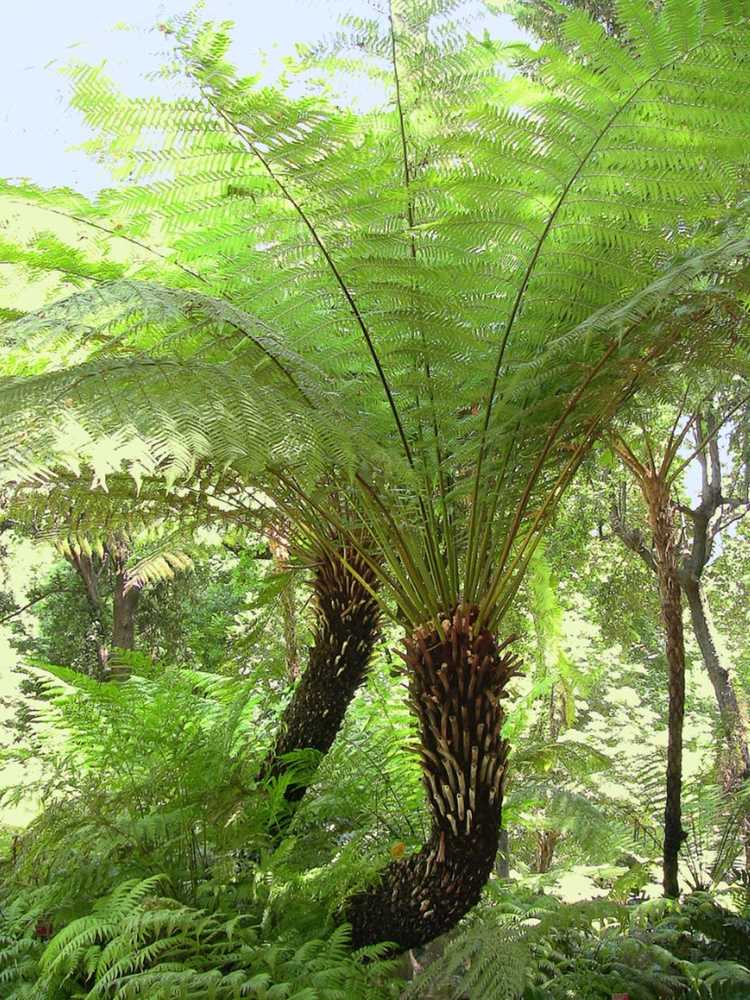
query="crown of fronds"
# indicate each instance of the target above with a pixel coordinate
(431, 309)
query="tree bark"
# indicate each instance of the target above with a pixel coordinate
(730, 711)
(279, 548)
(736, 763)
(545, 850)
(121, 629)
(84, 566)
(689, 569)
(503, 854)
(348, 621)
(124, 601)
(123, 623)
(736, 758)
(457, 680)
(667, 571)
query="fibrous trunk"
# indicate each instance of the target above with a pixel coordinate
(458, 677)
(662, 527)
(348, 620)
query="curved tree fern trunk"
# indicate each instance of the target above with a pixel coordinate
(457, 683)
(348, 620)
(667, 571)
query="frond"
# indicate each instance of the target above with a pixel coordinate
(439, 305)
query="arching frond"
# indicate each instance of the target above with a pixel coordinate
(433, 308)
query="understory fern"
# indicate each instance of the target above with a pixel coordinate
(400, 331)
(537, 948)
(136, 943)
(462, 285)
(153, 871)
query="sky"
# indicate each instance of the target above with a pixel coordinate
(37, 129)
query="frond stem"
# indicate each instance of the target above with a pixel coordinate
(252, 146)
(471, 555)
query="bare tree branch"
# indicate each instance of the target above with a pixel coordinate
(633, 538)
(36, 600)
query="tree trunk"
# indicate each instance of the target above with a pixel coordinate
(736, 763)
(124, 604)
(84, 566)
(730, 711)
(279, 548)
(665, 547)
(546, 841)
(457, 681)
(503, 854)
(347, 627)
(124, 608)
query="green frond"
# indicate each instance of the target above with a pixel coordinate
(432, 309)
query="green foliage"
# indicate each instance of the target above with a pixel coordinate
(370, 781)
(351, 285)
(136, 763)
(154, 869)
(214, 616)
(403, 330)
(536, 948)
(153, 865)
(136, 943)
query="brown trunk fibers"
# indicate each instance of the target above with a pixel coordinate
(457, 681)
(348, 620)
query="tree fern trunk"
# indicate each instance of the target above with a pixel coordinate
(348, 620)
(457, 683)
(667, 570)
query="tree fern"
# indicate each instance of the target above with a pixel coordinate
(491, 275)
